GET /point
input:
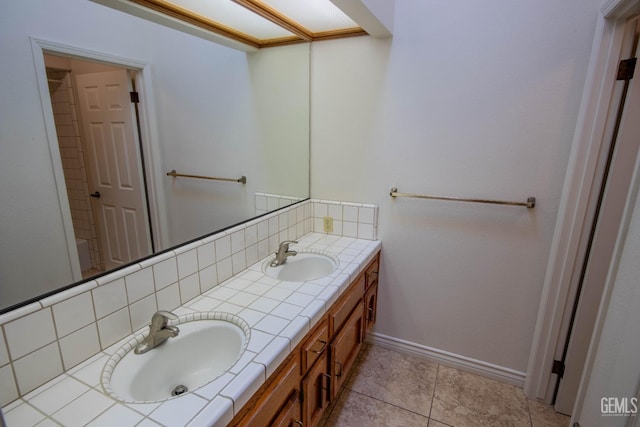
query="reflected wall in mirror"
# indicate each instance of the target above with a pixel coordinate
(205, 109)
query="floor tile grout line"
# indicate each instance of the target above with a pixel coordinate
(346, 387)
(390, 404)
(529, 409)
(441, 422)
(435, 384)
(433, 396)
(332, 406)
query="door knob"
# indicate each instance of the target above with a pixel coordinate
(96, 195)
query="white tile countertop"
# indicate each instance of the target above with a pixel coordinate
(279, 314)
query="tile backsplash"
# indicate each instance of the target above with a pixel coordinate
(349, 219)
(266, 202)
(43, 339)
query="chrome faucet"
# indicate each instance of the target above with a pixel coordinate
(283, 253)
(159, 331)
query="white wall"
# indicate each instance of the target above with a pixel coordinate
(204, 103)
(280, 82)
(474, 99)
(206, 119)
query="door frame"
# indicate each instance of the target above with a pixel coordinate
(150, 153)
(591, 139)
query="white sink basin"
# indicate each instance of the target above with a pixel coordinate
(207, 346)
(306, 265)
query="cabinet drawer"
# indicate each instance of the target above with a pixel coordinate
(289, 415)
(267, 403)
(345, 304)
(314, 346)
(371, 272)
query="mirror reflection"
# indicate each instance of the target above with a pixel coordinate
(85, 169)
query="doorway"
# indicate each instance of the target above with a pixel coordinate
(613, 42)
(98, 135)
(599, 240)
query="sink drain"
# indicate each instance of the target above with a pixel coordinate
(178, 390)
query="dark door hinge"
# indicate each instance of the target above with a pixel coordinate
(135, 98)
(626, 69)
(558, 368)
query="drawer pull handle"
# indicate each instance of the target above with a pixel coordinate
(370, 314)
(373, 275)
(339, 374)
(299, 423)
(324, 345)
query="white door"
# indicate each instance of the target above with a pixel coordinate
(627, 144)
(113, 160)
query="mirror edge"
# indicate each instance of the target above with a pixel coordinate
(157, 254)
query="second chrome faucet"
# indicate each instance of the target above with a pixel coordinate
(283, 253)
(159, 331)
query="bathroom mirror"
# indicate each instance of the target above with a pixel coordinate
(204, 109)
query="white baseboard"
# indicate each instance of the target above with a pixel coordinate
(464, 363)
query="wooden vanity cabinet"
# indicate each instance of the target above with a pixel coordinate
(301, 389)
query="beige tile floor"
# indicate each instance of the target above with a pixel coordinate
(391, 389)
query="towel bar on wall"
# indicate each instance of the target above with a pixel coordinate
(530, 203)
(173, 173)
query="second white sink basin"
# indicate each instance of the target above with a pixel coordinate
(207, 346)
(306, 265)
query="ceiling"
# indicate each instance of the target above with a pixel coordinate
(261, 23)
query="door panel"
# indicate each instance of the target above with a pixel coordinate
(113, 161)
(316, 387)
(111, 240)
(345, 348)
(617, 185)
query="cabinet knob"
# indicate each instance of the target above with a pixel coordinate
(340, 365)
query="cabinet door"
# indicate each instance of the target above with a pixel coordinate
(371, 272)
(289, 415)
(370, 307)
(316, 389)
(340, 311)
(345, 347)
(274, 395)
